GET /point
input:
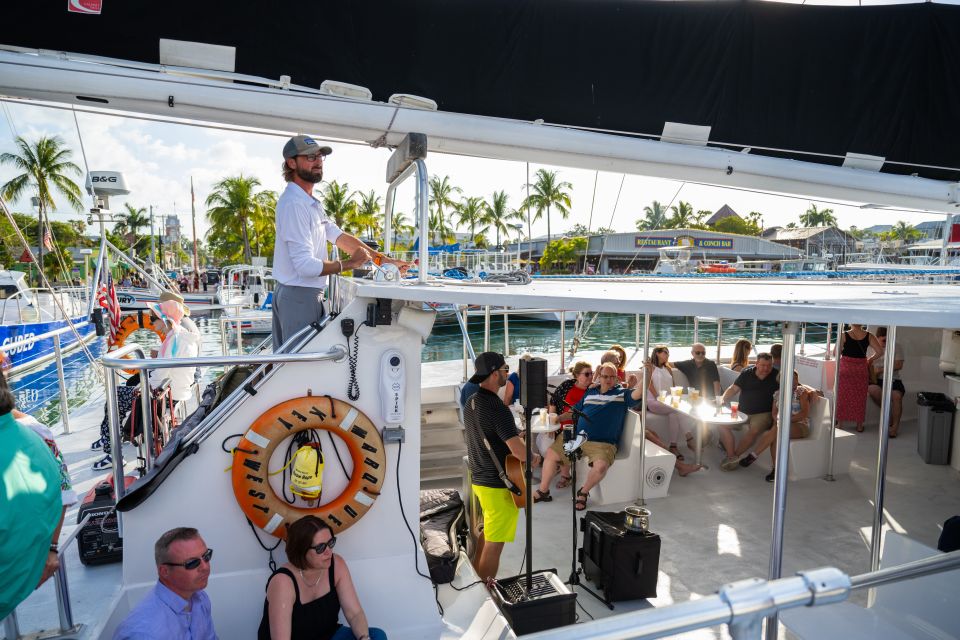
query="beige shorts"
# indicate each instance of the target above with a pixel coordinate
(760, 421)
(592, 450)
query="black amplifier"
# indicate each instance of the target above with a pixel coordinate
(99, 541)
(622, 563)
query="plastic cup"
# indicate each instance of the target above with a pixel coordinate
(694, 394)
(734, 409)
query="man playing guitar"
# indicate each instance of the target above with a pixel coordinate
(491, 435)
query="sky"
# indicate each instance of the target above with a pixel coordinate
(159, 159)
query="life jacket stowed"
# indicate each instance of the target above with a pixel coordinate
(306, 479)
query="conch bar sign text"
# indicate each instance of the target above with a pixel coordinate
(703, 243)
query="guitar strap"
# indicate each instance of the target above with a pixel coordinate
(514, 489)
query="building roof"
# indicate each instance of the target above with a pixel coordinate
(801, 233)
(723, 212)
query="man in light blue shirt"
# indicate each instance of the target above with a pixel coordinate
(176, 608)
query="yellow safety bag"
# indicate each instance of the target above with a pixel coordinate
(306, 479)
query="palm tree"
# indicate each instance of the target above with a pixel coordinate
(45, 165)
(367, 214)
(472, 212)
(498, 214)
(338, 203)
(548, 193)
(233, 203)
(132, 219)
(814, 217)
(264, 223)
(441, 199)
(682, 215)
(655, 217)
(904, 232)
(401, 225)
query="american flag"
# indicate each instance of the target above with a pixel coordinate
(107, 298)
(47, 239)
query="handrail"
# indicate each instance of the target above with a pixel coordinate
(743, 604)
(114, 362)
(47, 334)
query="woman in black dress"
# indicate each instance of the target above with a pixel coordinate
(305, 595)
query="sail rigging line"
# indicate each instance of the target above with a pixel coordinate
(669, 204)
(382, 140)
(616, 203)
(97, 366)
(13, 127)
(593, 201)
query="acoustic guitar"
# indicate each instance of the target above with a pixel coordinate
(516, 471)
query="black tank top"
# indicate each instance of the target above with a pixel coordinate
(316, 620)
(855, 348)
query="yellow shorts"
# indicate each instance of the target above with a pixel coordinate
(499, 513)
(592, 450)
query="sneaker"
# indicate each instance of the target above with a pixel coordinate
(106, 462)
(748, 459)
(730, 464)
(769, 477)
(97, 445)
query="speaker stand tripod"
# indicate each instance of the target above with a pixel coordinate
(575, 571)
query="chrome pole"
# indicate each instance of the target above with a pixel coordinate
(719, 336)
(146, 416)
(803, 339)
(61, 381)
(463, 326)
(643, 421)
(753, 336)
(423, 211)
(239, 334)
(783, 456)
(224, 344)
(64, 610)
(646, 336)
(486, 328)
(828, 355)
(883, 437)
(506, 334)
(116, 444)
(563, 340)
(636, 331)
(696, 329)
(833, 411)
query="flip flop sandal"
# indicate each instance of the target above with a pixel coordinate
(542, 496)
(564, 481)
(581, 502)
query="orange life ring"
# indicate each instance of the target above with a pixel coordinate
(250, 459)
(135, 322)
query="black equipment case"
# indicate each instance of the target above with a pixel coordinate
(443, 531)
(622, 563)
(98, 541)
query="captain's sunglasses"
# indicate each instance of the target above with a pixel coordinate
(193, 563)
(323, 546)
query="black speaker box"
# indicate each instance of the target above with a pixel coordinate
(533, 383)
(547, 605)
(620, 562)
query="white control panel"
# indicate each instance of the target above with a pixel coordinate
(393, 386)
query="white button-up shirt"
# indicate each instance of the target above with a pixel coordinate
(303, 231)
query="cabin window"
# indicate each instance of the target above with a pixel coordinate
(7, 291)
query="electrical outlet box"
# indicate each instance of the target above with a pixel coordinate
(394, 434)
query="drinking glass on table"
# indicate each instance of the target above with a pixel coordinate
(694, 394)
(734, 409)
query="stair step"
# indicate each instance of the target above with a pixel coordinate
(435, 406)
(441, 426)
(448, 472)
(434, 452)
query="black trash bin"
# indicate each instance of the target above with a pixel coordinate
(935, 421)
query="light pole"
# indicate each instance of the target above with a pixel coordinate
(519, 228)
(38, 205)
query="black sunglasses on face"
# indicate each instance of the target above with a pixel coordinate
(699, 353)
(193, 563)
(323, 546)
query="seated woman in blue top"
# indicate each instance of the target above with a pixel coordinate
(305, 595)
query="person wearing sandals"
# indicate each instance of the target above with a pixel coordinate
(567, 394)
(660, 380)
(799, 425)
(854, 378)
(491, 436)
(604, 408)
(897, 390)
(306, 594)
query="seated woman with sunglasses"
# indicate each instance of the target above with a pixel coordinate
(305, 595)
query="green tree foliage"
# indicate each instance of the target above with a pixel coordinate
(549, 193)
(366, 215)
(681, 216)
(655, 217)
(814, 217)
(902, 233)
(339, 203)
(441, 203)
(233, 206)
(499, 215)
(562, 255)
(472, 212)
(735, 224)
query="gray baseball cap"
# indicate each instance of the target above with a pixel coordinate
(304, 146)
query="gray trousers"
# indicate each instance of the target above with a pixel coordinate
(293, 309)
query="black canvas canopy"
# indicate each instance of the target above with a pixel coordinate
(883, 81)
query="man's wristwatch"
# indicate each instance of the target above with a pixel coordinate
(54, 548)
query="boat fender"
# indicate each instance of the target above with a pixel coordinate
(250, 459)
(950, 351)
